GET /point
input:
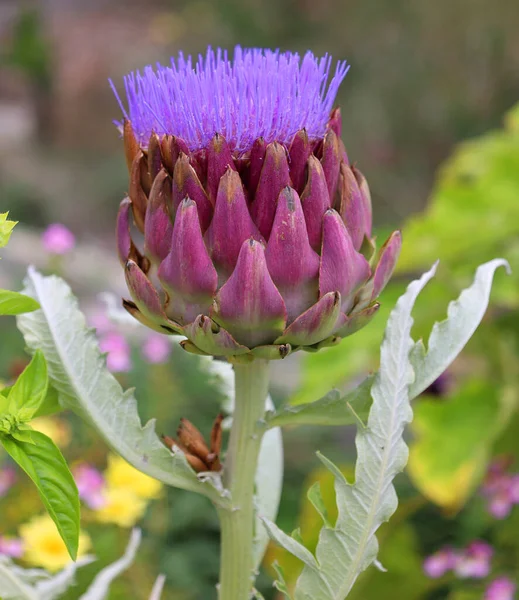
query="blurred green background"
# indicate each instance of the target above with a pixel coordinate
(423, 109)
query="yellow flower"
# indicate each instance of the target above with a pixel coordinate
(57, 429)
(43, 546)
(121, 507)
(120, 474)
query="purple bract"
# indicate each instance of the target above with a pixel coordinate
(257, 229)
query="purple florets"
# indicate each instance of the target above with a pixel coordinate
(257, 93)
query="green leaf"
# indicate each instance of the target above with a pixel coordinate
(449, 337)
(343, 552)
(13, 303)
(29, 392)
(45, 465)
(77, 370)
(452, 442)
(4, 403)
(332, 409)
(50, 404)
(6, 228)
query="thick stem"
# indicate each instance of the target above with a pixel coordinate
(237, 559)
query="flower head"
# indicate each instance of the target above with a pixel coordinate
(501, 489)
(440, 562)
(256, 94)
(474, 562)
(57, 239)
(121, 475)
(501, 588)
(257, 229)
(121, 506)
(44, 546)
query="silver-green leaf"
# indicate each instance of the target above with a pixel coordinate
(77, 370)
(449, 337)
(345, 550)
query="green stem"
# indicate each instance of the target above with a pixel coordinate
(237, 555)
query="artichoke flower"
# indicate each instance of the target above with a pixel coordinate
(255, 226)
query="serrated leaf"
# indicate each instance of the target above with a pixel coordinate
(316, 498)
(77, 370)
(56, 585)
(30, 389)
(36, 584)
(6, 228)
(450, 336)
(12, 585)
(45, 465)
(351, 546)
(13, 303)
(332, 409)
(290, 544)
(100, 587)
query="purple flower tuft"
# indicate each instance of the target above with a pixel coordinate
(257, 93)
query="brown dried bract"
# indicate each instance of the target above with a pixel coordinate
(192, 443)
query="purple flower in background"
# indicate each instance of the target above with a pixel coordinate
(7, 480)
(12, 547)
(90, 483)
(501, 588)
(474, 561)
(255, 223)
(118, 359)
(501, 489)
(440, 562)
(57, 239)
(156, 349)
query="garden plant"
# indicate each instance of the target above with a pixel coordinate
(245, 237)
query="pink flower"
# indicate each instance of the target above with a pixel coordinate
(12, 547)
(100, 322)
(439, 563)
(57, 239)
(7, 480)
(501, 489)
(118, 351)
(474, 561)
(90, 483)
(156, 349)
(501, 588)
